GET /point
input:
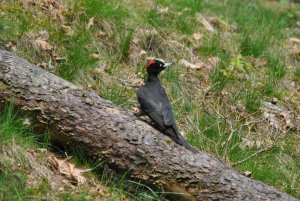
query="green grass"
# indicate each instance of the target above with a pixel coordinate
(153, 18)
(13, 128)
(178, 5)
(13, 186)
(125, 44)
(179, 17)
(78, 56)
(284, 175)
(15, 136)
(276, 66)
(219, 77)
(234, 88)
(253, 99)
(102, 9)
(297, 72)
(259, 26)
(212, 46)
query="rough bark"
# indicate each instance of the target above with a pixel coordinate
(79, 117)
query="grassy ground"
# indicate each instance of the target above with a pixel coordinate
(243, 50)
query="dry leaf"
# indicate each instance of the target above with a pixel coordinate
(101, 34)
(295, 52)
(213, 61)
(247, 173)
(100, 190)
(76, 173)
(54, 8)
(42, 65)
(95, 56)
(25, 4)
(135, 109)
(11, 46)
(68, 169)
(44, 45)
(260, 62)
(43, 35)
(278, 116)
(187, 64)
(272, 119)
(26, 122)
(68, 30)
(90, 23)
(163, 10)
(287, 121)
(143, 53)
(294, 40)
(205, 23)
(274, 101)
(197, 36)
(41, 41)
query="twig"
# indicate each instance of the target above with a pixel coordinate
(253, 155)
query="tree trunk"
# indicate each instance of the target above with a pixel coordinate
(79, 117)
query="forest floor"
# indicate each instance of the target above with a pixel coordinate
(234, 86)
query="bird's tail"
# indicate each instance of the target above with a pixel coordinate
(179, 139)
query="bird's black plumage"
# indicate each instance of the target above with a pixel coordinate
(155, 104)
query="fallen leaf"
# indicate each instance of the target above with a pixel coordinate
(163, 10)
(187, 64)
(260, 62)
(95, 57)
(247, 173)
(213, 61)
(25, 4)
(44, 45)
(135, 109)
(205, 23)
(197, 36)
(294, 40)
(42, 65)
(68, 169)
(68, 30)
(43, 35)
(100, 34)
(272, 119)
(274, 101)
(90, 23)
(41, 41)
(287, 121)
(54, 8)
(26, 122)
(76, 173)
(11, 46)
(143, 53)
(125, 199)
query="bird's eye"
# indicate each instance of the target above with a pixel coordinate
(161, 65)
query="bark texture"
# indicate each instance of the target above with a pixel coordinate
(79, 117)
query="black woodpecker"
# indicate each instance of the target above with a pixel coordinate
(155, 103)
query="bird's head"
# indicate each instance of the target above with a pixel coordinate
(155, 66)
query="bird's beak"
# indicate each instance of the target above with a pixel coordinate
(167, 64)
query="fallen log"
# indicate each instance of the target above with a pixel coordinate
(80, 118)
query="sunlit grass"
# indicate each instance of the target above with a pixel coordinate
(211, 107)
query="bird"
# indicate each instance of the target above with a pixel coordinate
(154, 103)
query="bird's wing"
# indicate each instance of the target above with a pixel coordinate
(166, 111)
(139, 96)
(159, 109)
